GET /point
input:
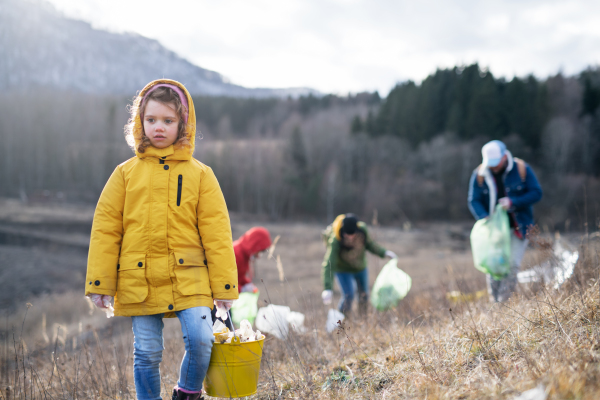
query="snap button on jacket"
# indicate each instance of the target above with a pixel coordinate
(161, 243)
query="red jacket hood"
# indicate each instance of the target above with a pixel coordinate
(255, 240)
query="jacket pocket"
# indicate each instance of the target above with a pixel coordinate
(131, 282)
(515, 190)
(179, 188)
(191, 273)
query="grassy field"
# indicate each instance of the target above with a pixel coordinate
(54, 345)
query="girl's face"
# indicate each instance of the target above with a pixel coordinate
(161, 124)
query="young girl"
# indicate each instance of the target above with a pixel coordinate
(161, 240)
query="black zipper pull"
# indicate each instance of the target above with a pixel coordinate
(179, 186)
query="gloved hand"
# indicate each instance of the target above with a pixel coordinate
(101, 300)
(327, 296)
(505, 203)
(390, 254)
(223, 307)
(249, 287)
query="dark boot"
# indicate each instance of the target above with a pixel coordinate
(363, 304)
(178, 394)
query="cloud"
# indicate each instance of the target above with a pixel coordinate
(354, 45)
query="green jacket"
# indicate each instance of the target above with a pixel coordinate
(341, 259)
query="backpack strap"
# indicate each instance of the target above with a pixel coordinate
(480, 178)
(522, 167)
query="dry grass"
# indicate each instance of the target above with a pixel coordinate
(468, 351)
(426, 348)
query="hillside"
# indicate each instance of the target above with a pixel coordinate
(42, 48)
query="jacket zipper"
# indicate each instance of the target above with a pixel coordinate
(179, 185)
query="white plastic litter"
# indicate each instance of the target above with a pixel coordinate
(557, 270)
(538, 393)
(296, 321)
(333, 316)
(276, 320)
(245, 333)
(109, 310)
(218, 326)
(273, 319)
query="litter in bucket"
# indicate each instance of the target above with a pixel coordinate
(234, 367)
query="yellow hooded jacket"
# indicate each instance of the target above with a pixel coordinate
(161, 236)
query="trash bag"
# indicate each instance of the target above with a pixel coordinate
(273, 319)
(296, 321)
(391, 286)
(276, 320)
(490, 244)
(333, 316)
(245, 307)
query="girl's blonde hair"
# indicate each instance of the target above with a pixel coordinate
(166, 96)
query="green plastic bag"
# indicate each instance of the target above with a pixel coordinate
(245, 307)
(391, 286)
(490, 243)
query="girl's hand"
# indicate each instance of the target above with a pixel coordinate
(101, 300)
(223, 307)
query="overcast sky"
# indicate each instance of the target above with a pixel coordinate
(342, 46)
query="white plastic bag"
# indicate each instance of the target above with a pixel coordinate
(218, 326)
(276, 320)
(333, 316)
(245, 332)
(296, 321)
(273, 319)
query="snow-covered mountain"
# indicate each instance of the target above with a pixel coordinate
(40, 47)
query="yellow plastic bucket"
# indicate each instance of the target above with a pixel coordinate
(233, 369)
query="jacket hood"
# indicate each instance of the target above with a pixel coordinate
(176, 151)
(489, 180)
(255, 240)
(337, 226)
(338, 223)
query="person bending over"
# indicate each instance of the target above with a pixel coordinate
(348, 241)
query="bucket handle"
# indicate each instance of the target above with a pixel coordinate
(233, 326)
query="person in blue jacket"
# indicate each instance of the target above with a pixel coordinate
(505, 181)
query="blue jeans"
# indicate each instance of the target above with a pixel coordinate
(196, 326)
(349, 282)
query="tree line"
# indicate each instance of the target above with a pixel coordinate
(407, 156)
(471, 103)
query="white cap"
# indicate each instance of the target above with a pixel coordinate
(492, 153)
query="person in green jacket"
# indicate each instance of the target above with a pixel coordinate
(347, 242)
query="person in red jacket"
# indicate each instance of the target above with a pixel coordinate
(247, 249)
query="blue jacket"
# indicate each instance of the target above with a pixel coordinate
(521, 185)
